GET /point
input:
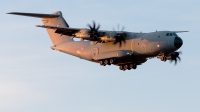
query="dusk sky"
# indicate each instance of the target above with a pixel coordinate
(35, 78)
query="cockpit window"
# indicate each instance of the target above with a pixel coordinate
(171, 34)
(174, 34)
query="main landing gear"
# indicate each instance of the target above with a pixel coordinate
(107, 62)
(128, 66)
(162, 57)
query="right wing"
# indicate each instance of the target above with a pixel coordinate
(180, 31)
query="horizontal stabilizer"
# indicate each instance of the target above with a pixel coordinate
(61, 30)
(49, 27)
(35, 15)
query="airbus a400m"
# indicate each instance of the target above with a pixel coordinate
(124, 49)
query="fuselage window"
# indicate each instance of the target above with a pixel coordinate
(170, 34)
(167, 34)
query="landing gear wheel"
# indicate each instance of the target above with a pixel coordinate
(125, 67)
(131, 66)
(134, 66)
(101, 62)
(105, 62)
(121, 67)
(111, 61)
(163, 58)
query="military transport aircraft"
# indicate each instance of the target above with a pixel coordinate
(120, 48)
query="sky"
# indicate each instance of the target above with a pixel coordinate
(34, 78)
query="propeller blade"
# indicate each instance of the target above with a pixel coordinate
(120, 43)
(122, 28)
(98, 26)
(179, 58)
(94, 34)
(175, 61)
(119, 35)
(89, 26)
(123, 39)
(175, 57)
(94, 27)
(118, 28)
(114, 29)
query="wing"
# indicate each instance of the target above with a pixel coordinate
(61, 30)
(76, 32)
(180, 31)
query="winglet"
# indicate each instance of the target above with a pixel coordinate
(37, 15)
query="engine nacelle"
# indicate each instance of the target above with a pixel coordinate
(83, 33)
(107, 39)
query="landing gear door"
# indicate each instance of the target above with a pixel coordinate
(95, 51)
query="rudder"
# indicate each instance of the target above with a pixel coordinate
(58, 21)
(55, 19)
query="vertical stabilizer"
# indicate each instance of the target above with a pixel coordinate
(55, 19)
(58, 21)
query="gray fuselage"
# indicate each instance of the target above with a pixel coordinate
(137, 45)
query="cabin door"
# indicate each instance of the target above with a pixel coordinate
(95, 51)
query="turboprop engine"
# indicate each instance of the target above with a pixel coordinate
(83, 33)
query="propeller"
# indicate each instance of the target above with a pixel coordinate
(120, 36)
(94, 34)
(175, 56)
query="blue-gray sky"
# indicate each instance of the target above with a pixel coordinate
(34, 78)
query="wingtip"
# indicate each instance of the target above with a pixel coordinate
(11, 13)
(40, 25)
(15, 13)
(180, 31)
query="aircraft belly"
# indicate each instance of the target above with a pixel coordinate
(85, 54)
(113, 54)
(72, 48)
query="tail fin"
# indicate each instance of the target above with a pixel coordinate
(55, 19)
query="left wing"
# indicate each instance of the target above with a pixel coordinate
(78, 33)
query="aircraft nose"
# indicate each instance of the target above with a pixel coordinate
(178, 42)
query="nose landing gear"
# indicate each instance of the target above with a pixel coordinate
(162, 57)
